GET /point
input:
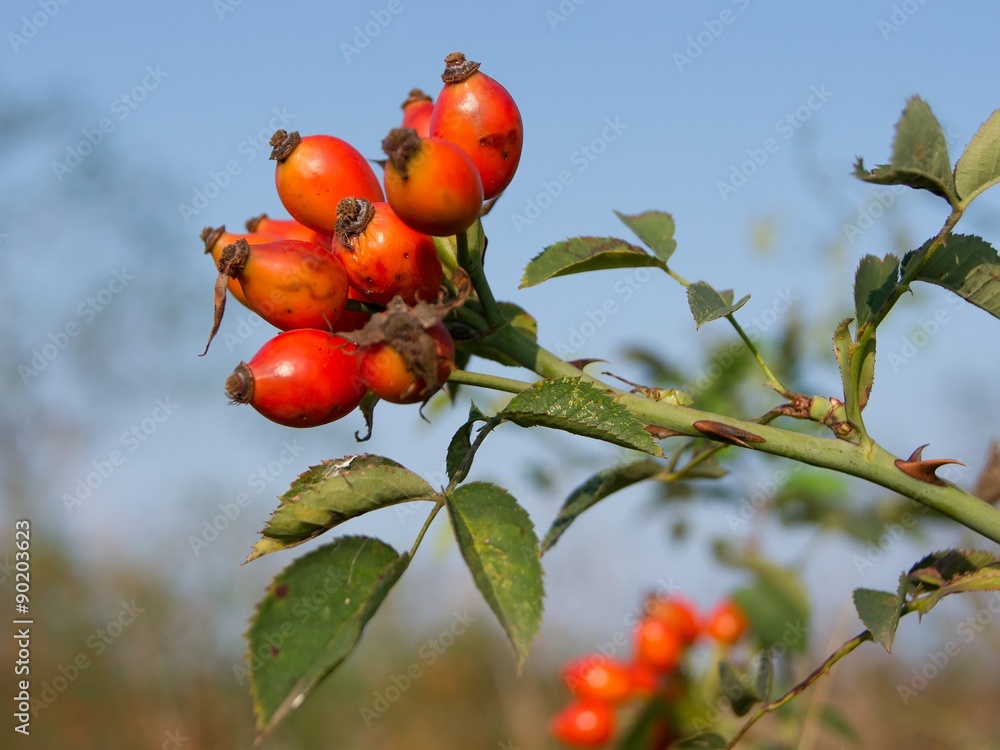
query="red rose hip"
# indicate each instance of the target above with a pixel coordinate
(384, 257)
(417, 111)
(431, 184)
(300, 378)
(479, 116)
(315, 172)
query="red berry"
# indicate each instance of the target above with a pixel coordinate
(596, 677)
(584, 724)
(726, 623)
(287, 229)
(300, 378)
(431, 184)
(677, 612)
(387, 368)
(658, 645)
(479, 116)
(383, 257)
(645, 679)
(417, 111)
(316, 172)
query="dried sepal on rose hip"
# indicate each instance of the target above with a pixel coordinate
(289, 283)
(217, 238)
(479, 115)
(405, 354)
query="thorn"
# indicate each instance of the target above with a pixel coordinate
(925, 471)
(661, 432)
(581, 363)
(726, 433)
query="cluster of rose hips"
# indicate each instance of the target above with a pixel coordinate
(354, 279)
(599, 683)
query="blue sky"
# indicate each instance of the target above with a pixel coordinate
(626, 106)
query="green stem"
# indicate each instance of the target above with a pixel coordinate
(775, 383)
(877, 466)
(427, 524)
(821, 670)
(676, 276)
(772, 378)
(536, 358)
(473, 265)
(466, 377)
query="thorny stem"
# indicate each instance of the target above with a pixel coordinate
(876, 466)
(673, 473)
(821, 670)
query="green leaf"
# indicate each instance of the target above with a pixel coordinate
(655, 229)
(461, 444)
(476, 237)
(739, 688)
(763, 673)
(576, 406)
(968, 266)
(707, 304)
(842, 349)
(336, 491)
(952, 571)
(919, 155)
(979, 165)
(880, 612)
(873, 285)
(498, 542)
(857, 371)
(312, 618)
(595, 489)
(581, 254)
(863, 362)
(519, 319)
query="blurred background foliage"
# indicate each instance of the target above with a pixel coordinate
(169, 678)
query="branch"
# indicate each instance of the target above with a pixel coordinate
(821, 670)
(877, 465)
